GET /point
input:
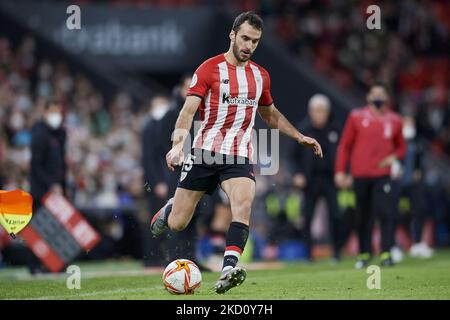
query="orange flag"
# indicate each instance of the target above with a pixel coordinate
(16, 208)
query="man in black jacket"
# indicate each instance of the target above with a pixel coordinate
(315, 176)
(412, 187)
(184, 243)
(157, 142)
(48, 167)
(156, 251)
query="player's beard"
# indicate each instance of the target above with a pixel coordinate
(236, 53)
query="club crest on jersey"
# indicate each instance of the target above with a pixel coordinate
(387, 131)
(226, 99)
(193, 81)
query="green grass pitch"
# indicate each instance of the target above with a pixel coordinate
(410, 279)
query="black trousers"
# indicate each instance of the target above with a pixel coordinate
(321, 187)
(375, 199)
(415, 192)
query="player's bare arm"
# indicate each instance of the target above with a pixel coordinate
(184, 122)
(276, 120)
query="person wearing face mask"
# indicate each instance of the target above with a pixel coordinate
(48, 167)
(372, 141)
(155, 175)
(156, 141)
(152, 147)
(183, 244)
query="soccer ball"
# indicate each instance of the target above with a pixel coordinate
(182, 276)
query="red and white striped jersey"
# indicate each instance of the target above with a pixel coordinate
(230, 98)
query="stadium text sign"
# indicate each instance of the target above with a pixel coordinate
(132, 38)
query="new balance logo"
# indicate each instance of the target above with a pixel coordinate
(226, 99)
(225, 81)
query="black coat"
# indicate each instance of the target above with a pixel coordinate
(303, 159)
(48, 166)
(168, 125)
(153, 152)
(157, 142)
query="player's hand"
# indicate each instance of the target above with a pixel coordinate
(387, 162)
(311, 143)
(161, 190)
(299, 180)
(56, 189)
(342, 180)
(349, 181)
(175, 157)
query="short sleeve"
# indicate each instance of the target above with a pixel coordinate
(266, 97)
(200, 82)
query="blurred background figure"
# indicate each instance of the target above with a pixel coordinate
(315, 176)
(413, 191)
(371, 142)
(3, 156)
(48, 166)
(47, 174)
(283, 207)
(156, 142)
(184, 243)
(156, 251)
(214, 223)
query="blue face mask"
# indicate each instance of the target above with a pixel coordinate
(378, 103)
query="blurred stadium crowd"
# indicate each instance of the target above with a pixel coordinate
(104, 138)
(411, 56)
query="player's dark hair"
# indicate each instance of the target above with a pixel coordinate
(252, 18)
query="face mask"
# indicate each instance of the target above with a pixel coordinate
(54, 120)
(159, 112)
(409, 132)
(378, 103)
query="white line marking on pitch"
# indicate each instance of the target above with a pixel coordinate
(97, 293)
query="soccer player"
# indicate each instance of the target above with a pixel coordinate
(372, 140)
(229, 89)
